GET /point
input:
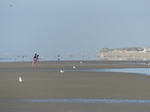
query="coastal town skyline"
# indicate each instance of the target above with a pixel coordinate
(129, 53)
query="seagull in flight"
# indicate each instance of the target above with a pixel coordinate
(10, 5)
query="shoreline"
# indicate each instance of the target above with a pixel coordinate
(72, 85)
(90, 64)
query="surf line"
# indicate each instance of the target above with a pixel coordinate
(134, 101)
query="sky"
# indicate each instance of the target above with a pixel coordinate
(61, 27)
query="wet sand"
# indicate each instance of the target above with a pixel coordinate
(72, 85)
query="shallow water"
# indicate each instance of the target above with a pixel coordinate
(74, 105)
(87, 100)
(143, 71)
(134, 101)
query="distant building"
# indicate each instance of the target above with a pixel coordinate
(133, 53)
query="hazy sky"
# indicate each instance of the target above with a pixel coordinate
(52, 27)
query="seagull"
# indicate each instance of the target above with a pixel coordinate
(20, 80)
(61, 71)
(147, 63)
(74, 67)
(10, 5)
(80, 62)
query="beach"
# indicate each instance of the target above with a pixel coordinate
(45, 89)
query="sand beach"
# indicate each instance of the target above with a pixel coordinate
(45, 89)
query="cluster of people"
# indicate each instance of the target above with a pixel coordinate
(35, 60)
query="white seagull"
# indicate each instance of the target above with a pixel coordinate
(74, 67)
(20, 80)
(61, 71)
(80, 62)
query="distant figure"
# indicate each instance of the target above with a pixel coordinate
(34, 60)
(37, 62)
(58, 57)
(23, 58)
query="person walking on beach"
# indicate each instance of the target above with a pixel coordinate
(37, 62)
(34, 60)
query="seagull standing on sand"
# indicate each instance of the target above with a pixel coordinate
(80, 62)
(20, 80)
(74, 67)
(61, 71)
